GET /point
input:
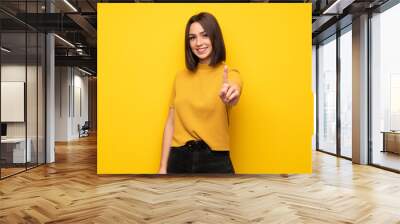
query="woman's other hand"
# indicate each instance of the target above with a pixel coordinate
(230, 92)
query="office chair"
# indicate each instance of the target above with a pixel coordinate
(84, 130)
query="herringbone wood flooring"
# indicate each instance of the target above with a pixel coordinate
(70, 191)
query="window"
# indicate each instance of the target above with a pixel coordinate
(385, 88)
(327, 95)
(346, 93)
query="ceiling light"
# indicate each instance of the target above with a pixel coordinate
(84, 71)
(5, 50)
(64, 40)
(70, 5)
(338, 6)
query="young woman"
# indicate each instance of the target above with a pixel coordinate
(196, 138)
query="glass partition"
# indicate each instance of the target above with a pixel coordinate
(22, 77)
(327, 95)
(32, 90)
(14, 153)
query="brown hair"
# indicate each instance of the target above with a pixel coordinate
(210, 25)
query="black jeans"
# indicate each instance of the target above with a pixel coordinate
(197, 157)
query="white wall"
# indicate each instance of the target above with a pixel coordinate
(80, 84)
(62, 81)
(71, 93)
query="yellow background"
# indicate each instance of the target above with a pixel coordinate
(141, 47)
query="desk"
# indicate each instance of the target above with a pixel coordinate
(391, 141)
(16, 147)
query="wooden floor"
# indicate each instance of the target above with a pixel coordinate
(69, 191)
(5, 172)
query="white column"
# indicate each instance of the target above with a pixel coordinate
(50, 100)
(360, 90)
(50, 92)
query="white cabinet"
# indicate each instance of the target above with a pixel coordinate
(18, 149)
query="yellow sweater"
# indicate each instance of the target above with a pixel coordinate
(199, 113)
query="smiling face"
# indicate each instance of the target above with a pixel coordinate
(200, 43)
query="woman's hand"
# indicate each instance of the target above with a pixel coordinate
(163, 170)
(230, 92)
